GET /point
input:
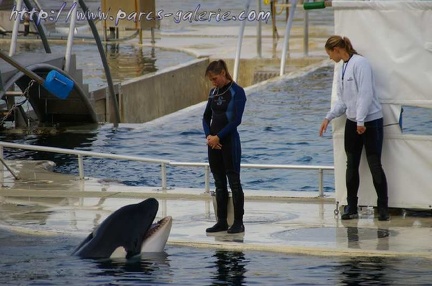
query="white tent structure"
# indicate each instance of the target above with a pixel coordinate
(396, 37)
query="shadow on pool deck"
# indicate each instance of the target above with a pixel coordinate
(283, 222)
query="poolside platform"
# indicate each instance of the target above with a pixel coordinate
(44, 203)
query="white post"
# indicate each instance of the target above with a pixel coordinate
(164, 176)
(287, 36)
(207, 179)
(81, 167)
(15, 30)
(239, 44)
(71, 35)
(259, 32)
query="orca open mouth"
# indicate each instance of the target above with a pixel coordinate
(156, 237)
(157, 226)
(127, 232)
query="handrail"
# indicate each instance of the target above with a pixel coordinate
(164, 163)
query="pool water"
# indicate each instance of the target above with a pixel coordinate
(125, 60)
(46, 260)
(280, 126)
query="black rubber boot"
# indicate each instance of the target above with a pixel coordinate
(237, 227)
(222, 204)
(350, 211)
(383, 212)
(238, 203)
(219, 226)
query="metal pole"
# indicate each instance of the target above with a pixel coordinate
(15, 30)
(207, 179)
(39, 27)
(259, 32)
(9, 169)
(306, 32)
(19, 67)
(239, 44)
(287, 36)
(104, 62)
(81, 167)
(71, 35)
(320, 183)
(164, 176)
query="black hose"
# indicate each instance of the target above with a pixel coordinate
(104, 62)
(39, 27)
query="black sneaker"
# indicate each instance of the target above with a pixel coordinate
(237, 227)
(219, 226)
(347, 216)
(383, 214)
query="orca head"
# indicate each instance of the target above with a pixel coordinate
(123, 233)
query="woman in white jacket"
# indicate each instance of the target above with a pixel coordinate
(356, 97)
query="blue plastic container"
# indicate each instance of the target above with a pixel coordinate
(58, 84)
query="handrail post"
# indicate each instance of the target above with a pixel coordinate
(320, 182)
(70, 38)
(163, 176)
(306, 33)
(81, 166)
(285, 47)
(259, 33)
(2, 170)
(207, 178)
(239, 45)
(15, 29)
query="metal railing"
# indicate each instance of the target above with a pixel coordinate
(163, 163)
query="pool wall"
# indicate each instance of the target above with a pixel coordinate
(151, 96)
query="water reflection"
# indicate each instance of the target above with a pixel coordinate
(356, 235)
(224, 237)
(129, 61)
(126, 60)
(364, 271)
(230, 268)
(153, 268)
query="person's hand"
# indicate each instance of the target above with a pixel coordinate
(361, 130)
(323, 127)
(213, 142)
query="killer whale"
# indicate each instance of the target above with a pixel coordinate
(127, 232)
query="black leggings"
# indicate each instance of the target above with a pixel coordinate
(225, 164)
(372, 140)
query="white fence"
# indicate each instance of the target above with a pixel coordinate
(163, 163)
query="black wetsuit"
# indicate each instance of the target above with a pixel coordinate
(221, 117)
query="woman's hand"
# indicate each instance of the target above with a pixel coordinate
(361, 130)
(323, 127)
(213, 142)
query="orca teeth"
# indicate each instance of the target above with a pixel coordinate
(154, 227)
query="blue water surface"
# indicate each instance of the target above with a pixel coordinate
(280, 126)
(46, 260)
